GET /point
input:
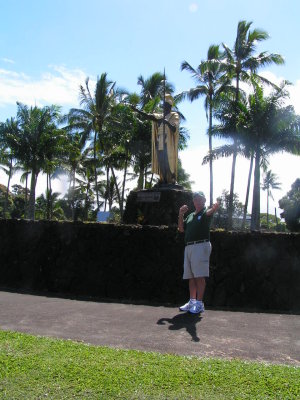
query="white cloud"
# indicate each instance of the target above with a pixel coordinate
(58, 185)
(193, 7)
(58, 86)
(8, 60)
(295, 96)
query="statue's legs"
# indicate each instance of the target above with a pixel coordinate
(166, 176)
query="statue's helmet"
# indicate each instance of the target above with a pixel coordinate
(168, 99)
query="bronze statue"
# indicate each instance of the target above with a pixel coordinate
(165, 135)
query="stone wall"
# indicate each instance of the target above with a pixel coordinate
(144, 263)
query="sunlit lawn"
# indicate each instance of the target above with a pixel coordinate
(41, 368)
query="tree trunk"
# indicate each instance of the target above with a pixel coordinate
(276, 218)
(86, 202)
(211, 196)
(117, 189)
(26, 197)
(255, 217)
(48, 199)
(141, 178)
(150, 184)
(51, 199)
(7, 189)
(230, 206)
(107, 197)
(73, 195)
(247, 192)
(145, 178)
(123, 190)
(268, 194)
(31, 205)
(96, 182)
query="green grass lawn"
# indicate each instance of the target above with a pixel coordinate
(41, 368)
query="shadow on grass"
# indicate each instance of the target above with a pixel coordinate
(185, 321)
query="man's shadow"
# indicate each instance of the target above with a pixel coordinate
(186, 321)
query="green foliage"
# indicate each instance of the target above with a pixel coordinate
(35, 367)
(42, 204)
(290, 203)
(183, 178)
(4, 205)
(241, 64)
(221, 215)
(272, 223)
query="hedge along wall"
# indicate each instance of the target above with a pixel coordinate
(144, 263)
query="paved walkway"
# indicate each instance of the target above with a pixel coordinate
(271, 338)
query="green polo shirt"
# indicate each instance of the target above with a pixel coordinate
(197, 226)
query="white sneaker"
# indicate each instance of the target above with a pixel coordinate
(197, 308)
(187, 306)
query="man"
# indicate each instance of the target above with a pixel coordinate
(197, 250)
(165, 136)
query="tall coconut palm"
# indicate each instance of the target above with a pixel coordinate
(90, 120)
(8, 131)
(86, 183)
(24, 178)
(72, 162)
(264, 126)
(274, 128)
(241, 62)
(270, 183)
(120, 135)
(211, 82)
(37, 132)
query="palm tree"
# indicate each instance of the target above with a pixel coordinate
(245, 143)
(242, 143)
(211, 82)
(42, 206)
(120, 134)
(37, 133)
(90, 120)
(86, 183)
(109, 194)
(272, 128)
(72, 162)
(57, 148)
(8, 131)
(240, 63)
(225, 129)
(270, 182)
(152, 90)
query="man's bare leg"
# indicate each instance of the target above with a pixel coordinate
(197, 288)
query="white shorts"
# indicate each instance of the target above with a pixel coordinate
(196, 260)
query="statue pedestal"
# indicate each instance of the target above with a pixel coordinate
(157, 206)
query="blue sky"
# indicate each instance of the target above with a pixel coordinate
(47, 48)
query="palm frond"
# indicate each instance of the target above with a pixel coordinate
(218, 152)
